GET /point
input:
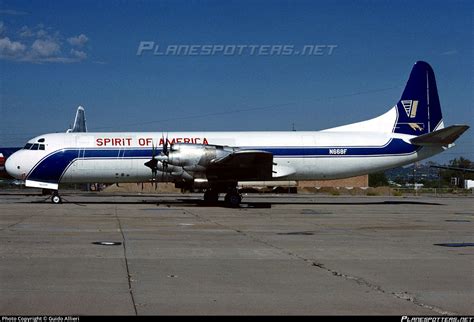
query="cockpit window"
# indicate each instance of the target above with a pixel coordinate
(41, 140)
(36, 146)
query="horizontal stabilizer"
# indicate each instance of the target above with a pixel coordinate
(452, 168)
(441, 137)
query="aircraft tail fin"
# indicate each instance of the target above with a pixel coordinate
(419, 109)
(417, 112)
(444, 136)
(79, 121)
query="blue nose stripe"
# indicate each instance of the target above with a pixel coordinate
(51, 168)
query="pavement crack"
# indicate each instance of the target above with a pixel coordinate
(361, 281)
(411, 298)
(20, 221)
(402, 296)
(358, 280)
(129, 277)
(13, 225)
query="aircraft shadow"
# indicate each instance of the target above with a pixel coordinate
(250, 204)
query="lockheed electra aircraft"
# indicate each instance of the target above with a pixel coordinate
(410, 131)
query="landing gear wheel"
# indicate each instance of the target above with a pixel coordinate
(211, 196)
(233, 199)
(56, 199)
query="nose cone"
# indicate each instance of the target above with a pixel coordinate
(14, 168)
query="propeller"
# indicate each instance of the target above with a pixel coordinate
(165, 145)
(153, 163)
(163, 158)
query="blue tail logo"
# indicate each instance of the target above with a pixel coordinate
(419, 109)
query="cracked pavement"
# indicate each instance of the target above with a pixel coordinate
(293, 254)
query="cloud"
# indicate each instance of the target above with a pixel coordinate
(81, 55)
(41, 44)
(45, 48)
(42, 33)
(11, 49)
(78, 41)
(39, 31)
(54, 59)
(26, 32)
(449, 52)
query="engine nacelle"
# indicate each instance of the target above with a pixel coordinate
(196, 157)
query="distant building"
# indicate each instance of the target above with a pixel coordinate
(468, 184)
(356, 182)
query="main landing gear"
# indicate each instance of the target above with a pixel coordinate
(232, 197)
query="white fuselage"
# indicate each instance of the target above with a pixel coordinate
(120, 157)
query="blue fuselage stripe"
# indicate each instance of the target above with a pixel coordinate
(52, 167)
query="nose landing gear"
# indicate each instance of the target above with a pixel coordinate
(56, 198)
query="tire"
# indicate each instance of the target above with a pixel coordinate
(56, 199)
(233, 199)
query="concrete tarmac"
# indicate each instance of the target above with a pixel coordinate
(293, 254)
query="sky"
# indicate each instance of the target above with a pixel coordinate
(56, 55)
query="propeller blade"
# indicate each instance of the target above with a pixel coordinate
(153, 163)
(165, 146)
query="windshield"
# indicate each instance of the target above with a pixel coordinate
(36, 146)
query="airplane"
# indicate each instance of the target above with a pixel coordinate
(410, 131)
(79, 122)
(2, 163)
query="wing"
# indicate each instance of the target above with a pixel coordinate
(250, 165)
